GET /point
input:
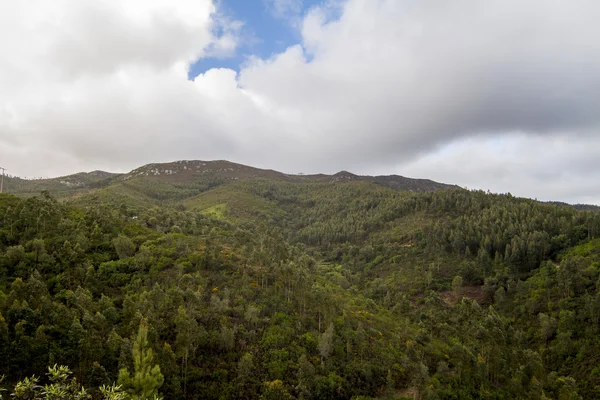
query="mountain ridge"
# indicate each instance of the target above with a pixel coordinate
(186, 171)
(207, 174)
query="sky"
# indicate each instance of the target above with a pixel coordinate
(501, 95)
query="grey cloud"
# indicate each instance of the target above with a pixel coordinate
(545, 167)
(386, 84)
(398, 78)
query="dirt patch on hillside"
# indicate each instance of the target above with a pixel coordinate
(472, 292)
(408, 393)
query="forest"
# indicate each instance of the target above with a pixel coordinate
(266, 289)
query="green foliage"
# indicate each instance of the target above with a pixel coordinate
(124, 246)
(60, 386)
(297, 290)
(113, 392)
(457, 284)
(146, 378)
(275, 390)
(217, 211)
(326, 343)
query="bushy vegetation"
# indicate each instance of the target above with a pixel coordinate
(299, 290)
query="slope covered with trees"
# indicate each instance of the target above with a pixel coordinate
(270, 288)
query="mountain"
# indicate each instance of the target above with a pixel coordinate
(392, 181)
(190, 171)
(181, 180)
(194, 171)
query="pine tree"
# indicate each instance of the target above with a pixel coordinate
(147, 378)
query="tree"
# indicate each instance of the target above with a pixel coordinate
(499, 295)
(147, 378)
(457, 283)
(306, 378)
(420, 380)
(275, 390)
(547, 326)
(245, 369)
(389, 385)
(38, 248)
(568, 391)
(123, 246)
(326, 343)
(186, 340)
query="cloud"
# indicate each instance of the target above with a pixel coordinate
(544, 167)
(87, 83)
(416, 87)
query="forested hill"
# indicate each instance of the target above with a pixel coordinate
(589, 207)
(61, 187)
(191, 285)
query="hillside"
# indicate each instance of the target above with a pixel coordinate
(255, 284)
(585, 207)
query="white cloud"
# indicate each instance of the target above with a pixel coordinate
(90, 83)
(418, 86)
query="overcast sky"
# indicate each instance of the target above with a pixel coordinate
(498, 94)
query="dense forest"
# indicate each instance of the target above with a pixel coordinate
(266, 289)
